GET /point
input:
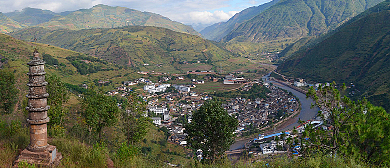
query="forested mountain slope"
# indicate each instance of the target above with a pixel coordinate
(67, 64)
(99, 16)
(144, 48)
(293, 19)
(103, 16)
(8, 25)
(31, 16)
(219, 30)
(358, 52)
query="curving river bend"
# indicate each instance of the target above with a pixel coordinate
(306, 112)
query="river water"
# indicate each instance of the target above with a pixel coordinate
(307, 113)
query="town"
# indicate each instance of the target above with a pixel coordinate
(171, 105)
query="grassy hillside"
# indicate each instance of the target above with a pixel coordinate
(77, 151)
(103, 16)
(99, 16)
(358, 52)
(219, 30)
(8, 25)
(298, 18)
(295, 47)
(17, 53)
(144, 48)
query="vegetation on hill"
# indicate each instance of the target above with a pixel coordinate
(68, 129)
(219, 30)
(8, 25)
(298, 18)
(8, 91)
(211, 130)
(16, 53)
(99, 16)
(357, 129)
(294, 47)
(103, 16)
(357, 52)
(31, 16)
(144, 48)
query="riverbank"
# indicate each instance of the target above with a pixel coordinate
(306, 113)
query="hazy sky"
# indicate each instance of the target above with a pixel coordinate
(185, 11)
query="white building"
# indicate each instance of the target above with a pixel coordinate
(166, 116)
(159, 88)
(182, 88)
(299, 84)
(158, 110)
(230, 79)
(149, 87)
(156, 120)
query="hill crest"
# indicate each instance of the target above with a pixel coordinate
(298, 18)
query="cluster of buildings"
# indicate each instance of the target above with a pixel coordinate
(154, 88)
(174, 109)
(231, 79)
(200, 72)
(261, 111)
(182, 88)
(278, 142)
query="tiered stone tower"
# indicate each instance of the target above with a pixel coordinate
(39, 152)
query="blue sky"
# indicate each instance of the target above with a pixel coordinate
(191, 12)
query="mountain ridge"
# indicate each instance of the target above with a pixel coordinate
(99, 16)
(358, 52)
(218, 30)
(8, 25)
(136, 46)
(298, 18)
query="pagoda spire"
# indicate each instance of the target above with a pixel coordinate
(38, 152)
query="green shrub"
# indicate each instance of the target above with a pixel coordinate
(77, 154)
(126, 152)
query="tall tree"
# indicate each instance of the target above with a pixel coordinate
(211, 130)
(8, 91)
(356, 129)
(135, 124)
(58, 95)
(99, 110)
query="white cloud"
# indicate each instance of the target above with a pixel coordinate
(206, 17)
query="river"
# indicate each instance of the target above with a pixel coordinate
(307, 113)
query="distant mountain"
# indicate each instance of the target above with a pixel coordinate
(31, 16)
(357, 52)
(137, 46)
(219, 30)
(103, 16)
(99, 16)
(293, 19)
(8, 25)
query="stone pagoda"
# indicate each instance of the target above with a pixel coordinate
(39, 152)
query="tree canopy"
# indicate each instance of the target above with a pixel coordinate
(58, 95)
(8, 91)
(211, 130)
(99, 110)
(135, 124)
(354, 129)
